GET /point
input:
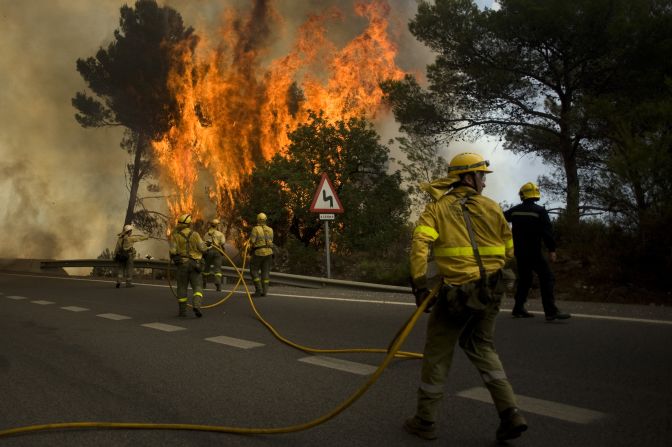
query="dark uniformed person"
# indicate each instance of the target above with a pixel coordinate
(186, 252)
(471, 242)
(261, 243)
(531, 225)
(124, 253)
(214, 240)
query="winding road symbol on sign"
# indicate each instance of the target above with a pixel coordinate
(325, 199)
(329, 198)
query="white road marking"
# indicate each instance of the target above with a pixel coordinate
(42, 302)
(75, 308)
(341, 365)
(235, 342)
(542, 407)
(16, 297)
(114, 316)
(164, 327)
(356, 300)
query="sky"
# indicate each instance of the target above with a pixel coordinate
(62, 187)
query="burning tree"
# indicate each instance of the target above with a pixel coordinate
(129, 81)
(237, 110)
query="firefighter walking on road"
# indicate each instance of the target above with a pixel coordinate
(531, 225)
(261, 244)
(471, 242)
(186, 252)
(214, 240)
(124, 253)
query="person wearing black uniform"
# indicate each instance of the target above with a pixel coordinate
(531, 225)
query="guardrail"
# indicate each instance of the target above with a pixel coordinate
(230, 272)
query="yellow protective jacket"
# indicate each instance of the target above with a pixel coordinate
(442, 227)
(186, 243)
(216, 237)
(125, 243)
(261, 240)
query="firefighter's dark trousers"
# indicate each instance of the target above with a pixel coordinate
(213, 266)
(189, 273)
(260, 270)
(527, 265)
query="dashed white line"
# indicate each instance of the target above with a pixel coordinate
(16, 297)
(164, 327)
(114, 316)
(75, 308)
(42, 302)
(235, 342)
(548, 408)
(339, 364)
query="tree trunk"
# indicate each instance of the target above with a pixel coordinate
(135, 179)
(572, 175)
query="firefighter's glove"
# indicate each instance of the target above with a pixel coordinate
(176, 259)
(421, 292)
(420, 297)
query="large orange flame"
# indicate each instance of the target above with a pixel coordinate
(236, 112)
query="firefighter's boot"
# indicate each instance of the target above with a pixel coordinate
(511, 425)
(421, 428)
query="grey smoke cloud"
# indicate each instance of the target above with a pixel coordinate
(62, 187)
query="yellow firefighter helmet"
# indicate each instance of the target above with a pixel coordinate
(214, 222)
(529, 191)
(261, 218)
(184, 219)
(468, 162)
(128, 228)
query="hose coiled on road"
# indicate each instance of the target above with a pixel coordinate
(395, 344)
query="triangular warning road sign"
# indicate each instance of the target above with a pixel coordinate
(326, 200)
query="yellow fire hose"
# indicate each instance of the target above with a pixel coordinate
(276, 334)
(394, 347)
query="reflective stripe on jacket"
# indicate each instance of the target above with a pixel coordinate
(261, 240)
(442, 226)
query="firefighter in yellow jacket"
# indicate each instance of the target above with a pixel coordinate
(124, 253)
(214, 240)
(186, 252)
(471, 242)
(261, 244)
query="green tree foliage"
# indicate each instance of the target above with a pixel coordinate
(129, 82)
(522, 71)
(376, 208)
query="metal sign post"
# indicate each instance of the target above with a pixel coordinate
(326, 248)
(326, 203)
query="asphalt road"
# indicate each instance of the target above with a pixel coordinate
(77, 350)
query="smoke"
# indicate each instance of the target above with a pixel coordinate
(62, 187)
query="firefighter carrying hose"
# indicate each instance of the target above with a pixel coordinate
(471, 242)
(186, 252)
(261, 243)
(214, 240)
